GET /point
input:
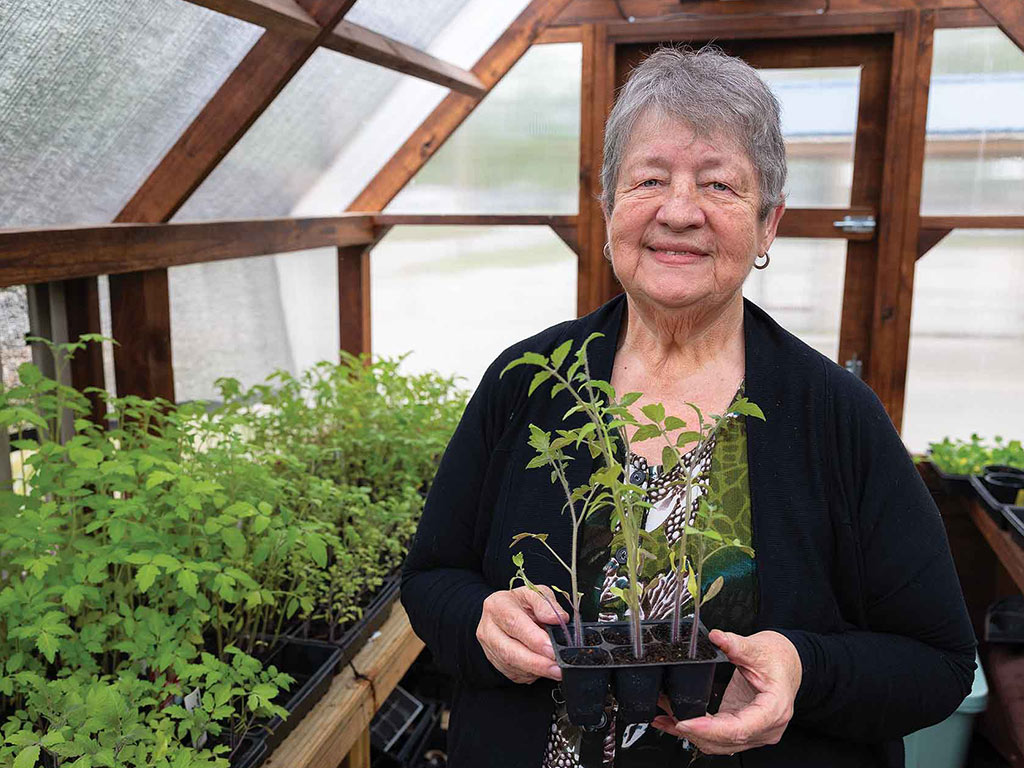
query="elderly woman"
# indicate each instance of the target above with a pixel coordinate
(847, 630)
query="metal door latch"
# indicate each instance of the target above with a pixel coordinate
(856, 225)
(855, 366)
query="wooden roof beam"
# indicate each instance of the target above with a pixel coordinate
(456, 107)
(1009, 15)
(375, 48)
(289, 17)
(600, 11)
(42, 255)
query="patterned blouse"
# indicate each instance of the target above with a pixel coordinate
(733, 609)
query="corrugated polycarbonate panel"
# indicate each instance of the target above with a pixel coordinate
(94, 92)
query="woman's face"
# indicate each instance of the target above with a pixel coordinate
(685, 230)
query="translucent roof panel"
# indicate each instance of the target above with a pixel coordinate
(337, 122)
(93, 94)
(282, 156)
(415, 24)
(518, 152)
(458, 31)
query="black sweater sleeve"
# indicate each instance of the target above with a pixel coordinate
(909, 662)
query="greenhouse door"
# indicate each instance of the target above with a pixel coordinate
(842, 267)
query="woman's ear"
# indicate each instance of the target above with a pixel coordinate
(771, 226)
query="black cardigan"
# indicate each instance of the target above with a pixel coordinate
(852, 559)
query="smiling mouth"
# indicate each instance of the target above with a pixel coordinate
(676, 256)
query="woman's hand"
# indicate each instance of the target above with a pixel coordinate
(758, 702)
(512, 638)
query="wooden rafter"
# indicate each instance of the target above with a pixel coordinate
(1009, 15)
(365, 44)
(605, 11)
(472, 219)
(450, 113)
(247, 92)
(351, 39)
(39, 255)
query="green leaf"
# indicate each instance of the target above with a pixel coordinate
(517, 558)
(188, 582)
(744, 407)
(686, 437)
(539, 378)
(48, 645)
(560, 353)
(157, 478)
(669, 458)
(139, 558)
(629, 398)
(673, 423)
(234, 541)
(655, 412)
(521, 536)
(317, 550)
(646, 432)
(146, 576)
(29, 755)
(72, 597)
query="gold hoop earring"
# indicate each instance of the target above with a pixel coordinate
(608, 251)
(767, 261)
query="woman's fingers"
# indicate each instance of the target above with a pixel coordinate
(513, 641)
(544, 607)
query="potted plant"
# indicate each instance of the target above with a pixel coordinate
(591, 650)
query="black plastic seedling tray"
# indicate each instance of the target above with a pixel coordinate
(1014, 517)
(312, 663)
(955, 484)
(588, 671)
(373, 618)
(989, 502)
(251, 754)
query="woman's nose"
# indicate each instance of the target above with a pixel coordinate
(681, 209)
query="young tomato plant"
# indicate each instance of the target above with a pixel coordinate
(604, 435)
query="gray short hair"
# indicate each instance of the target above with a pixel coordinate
(711, 91)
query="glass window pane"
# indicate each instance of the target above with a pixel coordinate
(974, 153)
(819, 123)
(966, 362)
(802, 289)
(518, 152)
(93, 94)
(455, 297)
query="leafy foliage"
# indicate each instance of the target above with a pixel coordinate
(969, 457)
(142, 563)
(609, 429)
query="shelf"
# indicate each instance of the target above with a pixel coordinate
(1002, 543)
(339, 722)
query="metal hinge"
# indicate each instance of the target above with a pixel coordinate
(855, 366)
(855, 224)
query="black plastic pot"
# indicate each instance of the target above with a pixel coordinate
(990, 468)
(1004, 486)
(312, 664)
(587, 671)
(989, 503)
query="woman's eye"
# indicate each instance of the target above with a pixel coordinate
(649, 183)
(720, 186)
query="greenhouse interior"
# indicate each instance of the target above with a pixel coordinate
(295, 294)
